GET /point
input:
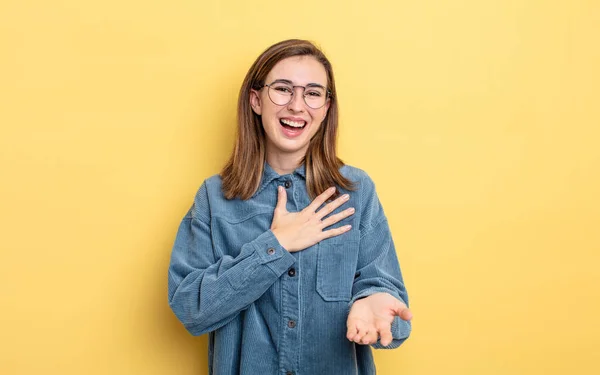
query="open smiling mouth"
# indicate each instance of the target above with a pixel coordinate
(292, 125)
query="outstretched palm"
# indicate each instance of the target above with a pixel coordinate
(371, 318)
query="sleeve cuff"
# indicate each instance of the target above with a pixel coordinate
(272, 254)
(367, 292)
(401, 329)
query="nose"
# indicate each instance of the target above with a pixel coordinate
(297, 102)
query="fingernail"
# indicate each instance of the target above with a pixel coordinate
(332, 189)
(351, 210)
(345, 196)
(347, 227)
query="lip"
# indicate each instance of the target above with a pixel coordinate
(295, 119)
(289, 133)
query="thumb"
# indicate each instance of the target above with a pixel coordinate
(281, 199)
(403, 312)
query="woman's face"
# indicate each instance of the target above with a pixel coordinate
(290, 127)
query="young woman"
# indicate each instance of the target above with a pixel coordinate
(286, 257)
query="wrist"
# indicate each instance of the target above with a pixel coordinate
(279, 238)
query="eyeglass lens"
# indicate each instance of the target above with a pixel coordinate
(282, 93)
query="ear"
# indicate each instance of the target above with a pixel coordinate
(326, 109)
(255, 102)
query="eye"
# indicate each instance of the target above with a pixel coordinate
(314, 93)
(283, 89)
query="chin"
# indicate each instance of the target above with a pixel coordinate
(290, 147)
(294, 149)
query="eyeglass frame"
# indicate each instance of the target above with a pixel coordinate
(328, 94)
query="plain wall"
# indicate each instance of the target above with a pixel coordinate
(478, 121)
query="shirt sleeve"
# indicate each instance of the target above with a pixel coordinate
(378, 269)
(206, 293)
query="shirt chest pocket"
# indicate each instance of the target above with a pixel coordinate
(336, 266)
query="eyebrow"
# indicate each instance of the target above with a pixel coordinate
(291, 83)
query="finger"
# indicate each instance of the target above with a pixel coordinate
(281, 200)
(330, 207)
(337, 217)
(351, 331)
(359, 331)
(319, 200)
(370, 338)
(335, 232)
(385, 333)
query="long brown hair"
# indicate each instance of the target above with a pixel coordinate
(242, 174)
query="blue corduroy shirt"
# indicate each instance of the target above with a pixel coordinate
(268, 311)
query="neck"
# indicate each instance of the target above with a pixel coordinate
(284, 163)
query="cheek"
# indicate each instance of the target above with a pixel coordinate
(318, 116)
(272, 109)
(317, 122)
(269, 114)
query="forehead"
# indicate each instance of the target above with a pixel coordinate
(301, 70)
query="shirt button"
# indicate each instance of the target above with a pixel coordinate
(289, 373)
(288, 184)
(292, 324)
(271, 251)
(292, 272)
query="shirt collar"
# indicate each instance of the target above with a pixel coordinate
(301, 171)
(269, 175)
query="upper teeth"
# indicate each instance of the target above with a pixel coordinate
(293, 123)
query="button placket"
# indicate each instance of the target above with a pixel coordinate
(290, 309)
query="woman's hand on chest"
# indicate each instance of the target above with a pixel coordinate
(297, 231)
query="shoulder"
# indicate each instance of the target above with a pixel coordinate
(361, 179)
(210, 203)
(352, 172)
(206, 195)
(210, 187)
(371, 211)
(213, 185)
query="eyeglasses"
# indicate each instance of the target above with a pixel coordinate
(281, 92)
